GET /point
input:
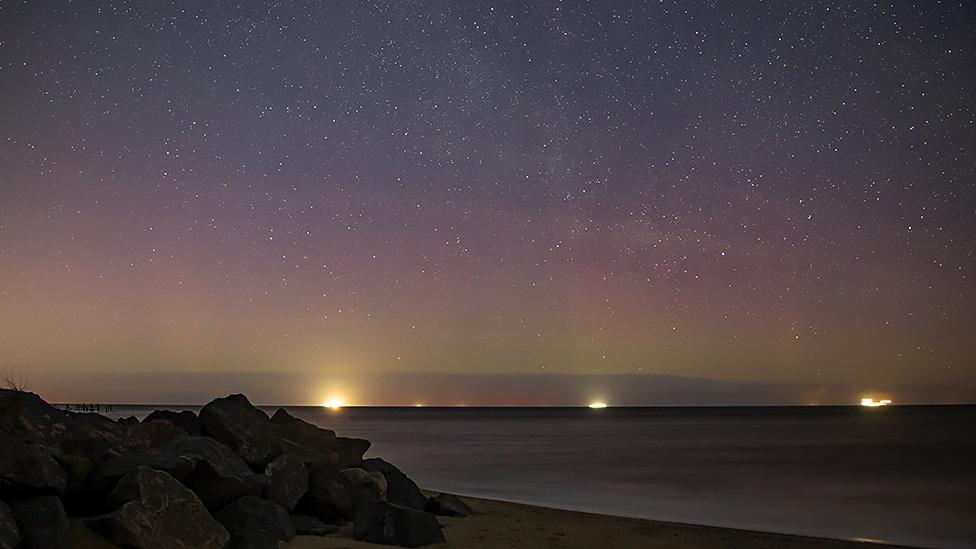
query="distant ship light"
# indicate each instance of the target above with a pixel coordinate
(598, 405)
(871, 403)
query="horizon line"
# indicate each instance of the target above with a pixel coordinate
(502, 406)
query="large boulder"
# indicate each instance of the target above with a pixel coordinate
(299, 430)
(311, 526)
(42, 523)
(78, 441)
(340, 451)
(128, 421)
(97, 437)
(448, 505)
(157, 512)
(106, 476)
(9, 534)
(156, 434)
(287, 480)
(219, 475)
(234, 421)
(27, 416)
(389, 524)
(308, 454)
(28, 469)
(330, 495)
(186, 419)
(400, 489)
(349, 451)
(366, 485)
(256, 523)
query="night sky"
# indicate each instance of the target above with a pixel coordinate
(350, 194)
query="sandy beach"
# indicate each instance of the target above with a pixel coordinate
(503, 525)
(499, 525)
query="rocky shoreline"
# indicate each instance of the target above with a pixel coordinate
(231, 477)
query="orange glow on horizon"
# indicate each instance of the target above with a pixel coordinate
(333, 403)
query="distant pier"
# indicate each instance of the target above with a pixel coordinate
(89, 407)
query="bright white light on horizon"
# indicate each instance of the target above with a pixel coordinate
(598, 405)
(871, 403)
(333, 403)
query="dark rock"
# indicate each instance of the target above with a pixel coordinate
(216, 490)
(156, 434)
(141, 440)
(349, 451)
(342, 452)
(219, 475)
(309, 455)
(9, 534)
(128, 421)
(311, 526)
(312, 443)
(104, 478)
(390, 524)
(158, 512)
(329, 496)
(366, 485)
(186, 419)
(28, 469)
(448, 505)
(234, 421)
(67, 436)
(256, 523)
(399, 488)
(27, 416)
(287, 480)
(42, 523)
(77, 467)
(97, 437)
(222, 458)
(299, 430)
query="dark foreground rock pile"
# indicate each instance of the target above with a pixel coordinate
(230, 477)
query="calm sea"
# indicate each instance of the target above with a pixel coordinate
(904, 474)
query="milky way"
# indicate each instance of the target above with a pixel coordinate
(763, 192)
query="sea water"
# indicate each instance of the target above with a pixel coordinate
(900, 474)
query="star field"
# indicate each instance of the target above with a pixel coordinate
(751, 191)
